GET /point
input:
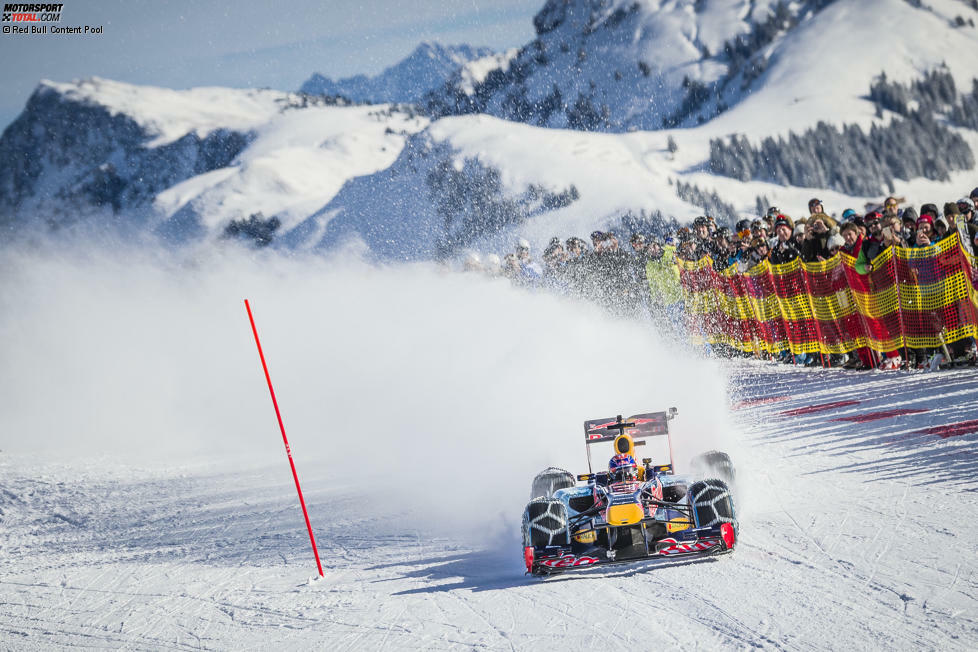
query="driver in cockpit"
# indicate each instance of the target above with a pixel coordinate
(622, 468)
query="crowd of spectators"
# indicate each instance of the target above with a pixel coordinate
(643, 277)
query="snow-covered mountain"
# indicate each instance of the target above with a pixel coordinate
(186, 164)
(427, 68)
(620, 65)
(308, 172)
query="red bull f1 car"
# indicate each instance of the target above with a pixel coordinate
(632, 511)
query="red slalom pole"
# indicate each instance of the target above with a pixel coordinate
(288, 449)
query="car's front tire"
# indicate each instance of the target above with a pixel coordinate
(712, 503)
(545, 523)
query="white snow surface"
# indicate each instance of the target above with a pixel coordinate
(170, 114)
(297, 163)
(146, 502)
(823, 69)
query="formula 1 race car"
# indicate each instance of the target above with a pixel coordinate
(630, 512)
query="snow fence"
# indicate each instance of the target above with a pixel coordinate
(913, 297)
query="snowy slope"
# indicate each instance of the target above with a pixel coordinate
(167, 115)
(178, 527)
(296, 163)
(610, 173)
(823, 69)
(186, 163)
(395, 211)
(625, 58)
(422, 71)
(623, 65)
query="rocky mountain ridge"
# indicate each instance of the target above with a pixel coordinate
(427, 68)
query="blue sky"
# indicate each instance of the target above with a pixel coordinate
(180, 44)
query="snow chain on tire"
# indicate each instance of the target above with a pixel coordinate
(544, 522)
(712, 502)
(550, 480)
(715, 464)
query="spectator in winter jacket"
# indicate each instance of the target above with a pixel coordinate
(575, 248)
(891, 235)
(815, 206)
(654, 249)
(835, 243)
(555, 265)
(605, 275)
(665, 294)
(909, 224)
(686, 250)
(577, 269)
(735, 251)
(784, 251)
(854, 246)
(891, 207)
(800, 233)
(758, 229)
(530, 271)
(705, 246)
(721, 248)
(738, 249)
(640, 257)
(873, 242)
(951, 213)
(816, 244)
(872, 247)
(661, 274)
(742, 230)
(930, 209)
(759, 251)
(967, 209)
(637, 241)
(925, 228)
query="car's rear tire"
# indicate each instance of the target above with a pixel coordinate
(712, 503)
(550, 480)
(545, 523)
(714, 464)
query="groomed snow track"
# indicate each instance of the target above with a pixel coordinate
(858, 524)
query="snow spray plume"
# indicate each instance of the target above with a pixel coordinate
(447, 392)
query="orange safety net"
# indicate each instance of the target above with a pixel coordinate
(910, 297)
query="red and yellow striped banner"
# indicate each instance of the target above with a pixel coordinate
(917, 298)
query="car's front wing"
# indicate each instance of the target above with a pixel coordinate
(718, 539)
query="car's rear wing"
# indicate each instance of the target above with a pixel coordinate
(638, 427)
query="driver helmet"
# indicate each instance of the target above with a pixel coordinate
(622, 468)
